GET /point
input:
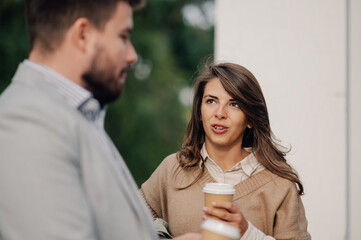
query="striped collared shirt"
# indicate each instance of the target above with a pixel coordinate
(242, 170)
(76, 96)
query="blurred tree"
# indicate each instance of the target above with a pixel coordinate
(148, 122)
(13, 39)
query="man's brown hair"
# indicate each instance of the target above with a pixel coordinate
(48, 20)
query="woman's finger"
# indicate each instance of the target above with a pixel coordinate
(229, 206)
(232, 215)
(220, 213)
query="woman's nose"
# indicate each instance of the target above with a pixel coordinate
(221, 112)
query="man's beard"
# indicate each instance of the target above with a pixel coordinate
(102, 83)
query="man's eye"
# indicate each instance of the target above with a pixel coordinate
(124, 37)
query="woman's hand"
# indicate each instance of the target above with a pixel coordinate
(231, 215)
(189, 236)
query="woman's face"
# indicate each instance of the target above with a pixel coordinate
(223, 120)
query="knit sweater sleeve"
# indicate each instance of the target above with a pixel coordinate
(291, 222)
(155, 189)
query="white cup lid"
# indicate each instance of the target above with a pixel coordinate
(219, 188)
(221, 228)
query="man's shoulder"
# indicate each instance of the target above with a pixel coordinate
(29, 102)
(29, 94)
(28, 111)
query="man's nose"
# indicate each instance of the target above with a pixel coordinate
(132, 55)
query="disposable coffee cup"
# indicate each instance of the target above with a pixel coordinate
(215, 192)
(217, 230)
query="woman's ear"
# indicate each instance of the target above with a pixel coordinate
(249, 125)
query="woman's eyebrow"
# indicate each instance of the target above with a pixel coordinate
(211, 96)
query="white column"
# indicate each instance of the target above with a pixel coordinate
(354, 119)
(304, 57)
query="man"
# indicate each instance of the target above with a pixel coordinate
(60, 175)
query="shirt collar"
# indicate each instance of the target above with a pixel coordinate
(76, 96)
(249, 164)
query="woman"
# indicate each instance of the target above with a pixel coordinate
(229, 140)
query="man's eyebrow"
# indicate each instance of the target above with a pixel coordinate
(128, 30)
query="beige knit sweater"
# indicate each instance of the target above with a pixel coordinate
(269, 202)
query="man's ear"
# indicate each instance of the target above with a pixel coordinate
(81, 34)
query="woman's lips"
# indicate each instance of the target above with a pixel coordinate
(217, 128)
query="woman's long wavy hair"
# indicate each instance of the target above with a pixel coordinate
(242, 86)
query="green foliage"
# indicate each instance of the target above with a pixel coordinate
(13, 39)
(148, 122)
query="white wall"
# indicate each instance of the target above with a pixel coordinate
(354, 119)
(309, 68)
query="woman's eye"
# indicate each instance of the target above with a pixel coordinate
(209, 101)
(236, 105)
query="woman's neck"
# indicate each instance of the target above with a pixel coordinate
(226, 157)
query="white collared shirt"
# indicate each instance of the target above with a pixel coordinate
(242, 170)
